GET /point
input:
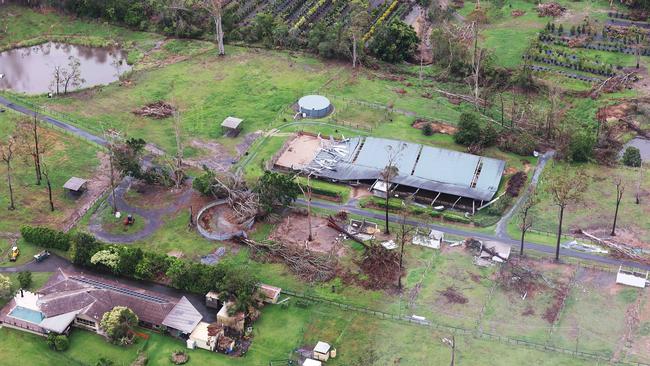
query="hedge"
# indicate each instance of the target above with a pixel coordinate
(46, 237)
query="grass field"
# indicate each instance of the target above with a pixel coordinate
(66, 156)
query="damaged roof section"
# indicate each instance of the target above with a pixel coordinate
(419, 166)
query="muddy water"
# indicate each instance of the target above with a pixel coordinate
(30, 70)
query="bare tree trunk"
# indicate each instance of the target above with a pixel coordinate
(387, 231)
(354, 50)
(477, 63)
(619, 197)
(112, 171)
(219, 33)
(521, 246)
(453, 350)
(37, 152)
(46, 174)
(12, 206)
(559, 234)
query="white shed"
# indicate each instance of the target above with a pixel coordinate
(310, 362)
(322, 351)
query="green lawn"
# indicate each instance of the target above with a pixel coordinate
(64, 155)
(38, 280)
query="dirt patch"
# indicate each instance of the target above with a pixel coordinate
(436, 127)
(551, 9)
(552, 312)
(615, 112)
(360, 192)
(151, 197)
(299, 152)
(220, 219)
(294, 231)
(216, 158)
(453, 296)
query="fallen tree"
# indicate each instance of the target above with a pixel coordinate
(381, 266)
(157, 110)
(303, 263)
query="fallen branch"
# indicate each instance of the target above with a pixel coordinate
(331, 222)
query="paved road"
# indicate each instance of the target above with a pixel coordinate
(65, 126)
(546, 249)
(153, 217)
(48, 265)
(502, 225)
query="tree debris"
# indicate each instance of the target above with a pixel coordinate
(551, 9)
(157, 110)
(453, 295)
(381, 266)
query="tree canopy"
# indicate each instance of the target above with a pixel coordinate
(395, 42)
(118, 323)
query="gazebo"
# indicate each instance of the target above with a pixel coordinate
(76, 186)
(231, 126)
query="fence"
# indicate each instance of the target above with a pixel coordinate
(464, 331)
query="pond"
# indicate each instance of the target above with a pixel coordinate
(31, 70)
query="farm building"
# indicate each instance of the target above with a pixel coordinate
(434, 175)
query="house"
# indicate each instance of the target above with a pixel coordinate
(80, 300)
(235, 322)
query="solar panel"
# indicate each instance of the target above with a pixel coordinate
(121, 290)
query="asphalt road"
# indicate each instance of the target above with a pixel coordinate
(545, 249)
(65, 126)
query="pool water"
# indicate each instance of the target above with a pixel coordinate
(27, 315)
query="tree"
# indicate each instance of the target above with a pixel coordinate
(566, 188)
(57, 77)
(403, 236)
(276, 190)
(395, 42)
(30, 139)
(109, 258)
(427, 130)
(5, 287)
(632, 157)
(526, 217)
(307, 192)
(389, 172)
(83, 247)
(71, 77)
(7, 150)
(478, 57)
(25, 279)
(46, 173)
(214, 7)
(118, 323)
(178, 174)
(359, 20)
(238, 284)
(469, 130)
(620, 188)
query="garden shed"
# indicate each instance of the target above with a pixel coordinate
(231, 126)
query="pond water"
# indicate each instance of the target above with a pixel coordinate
(30, 70)
(642, 144)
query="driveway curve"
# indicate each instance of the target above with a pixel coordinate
(153, 217)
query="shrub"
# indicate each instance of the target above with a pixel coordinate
(46, 237)
(427, 130)
(5, 287)
(455, 218)
(499, 207)
(25, 279)
(83, 247)
(61, 343)
(515, 183)
(632, 157)
(581, 147)
(469, 130)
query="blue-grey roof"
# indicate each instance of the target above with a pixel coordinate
(419, 166)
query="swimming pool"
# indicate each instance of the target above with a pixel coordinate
(27, 315)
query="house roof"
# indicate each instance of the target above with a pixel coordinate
(67, 292)
(270, 292)
(418, 166)
(231, 122)
(58, 324)
(183, 316)
(75, 184)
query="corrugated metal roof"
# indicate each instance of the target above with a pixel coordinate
(183, 316)
(419, 166)
(231, 122)
(74, 183)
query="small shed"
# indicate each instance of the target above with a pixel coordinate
(201, 337)
(322, 351)
(231, 126)
(630, 277)
(76, 186)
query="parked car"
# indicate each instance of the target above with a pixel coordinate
(39, 257)
(15, 252)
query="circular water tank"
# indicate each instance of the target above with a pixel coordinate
(315, 106)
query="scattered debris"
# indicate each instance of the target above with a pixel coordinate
(157, 110)
(516, 276)
(436, 127)
(631, 277)
(453, 296)
(619, 250)
(517, 13)
(583, 247)
(489, 251)
(213, 258)
(390, 245)
(551, 9)
(433, 240)
(551, 314)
